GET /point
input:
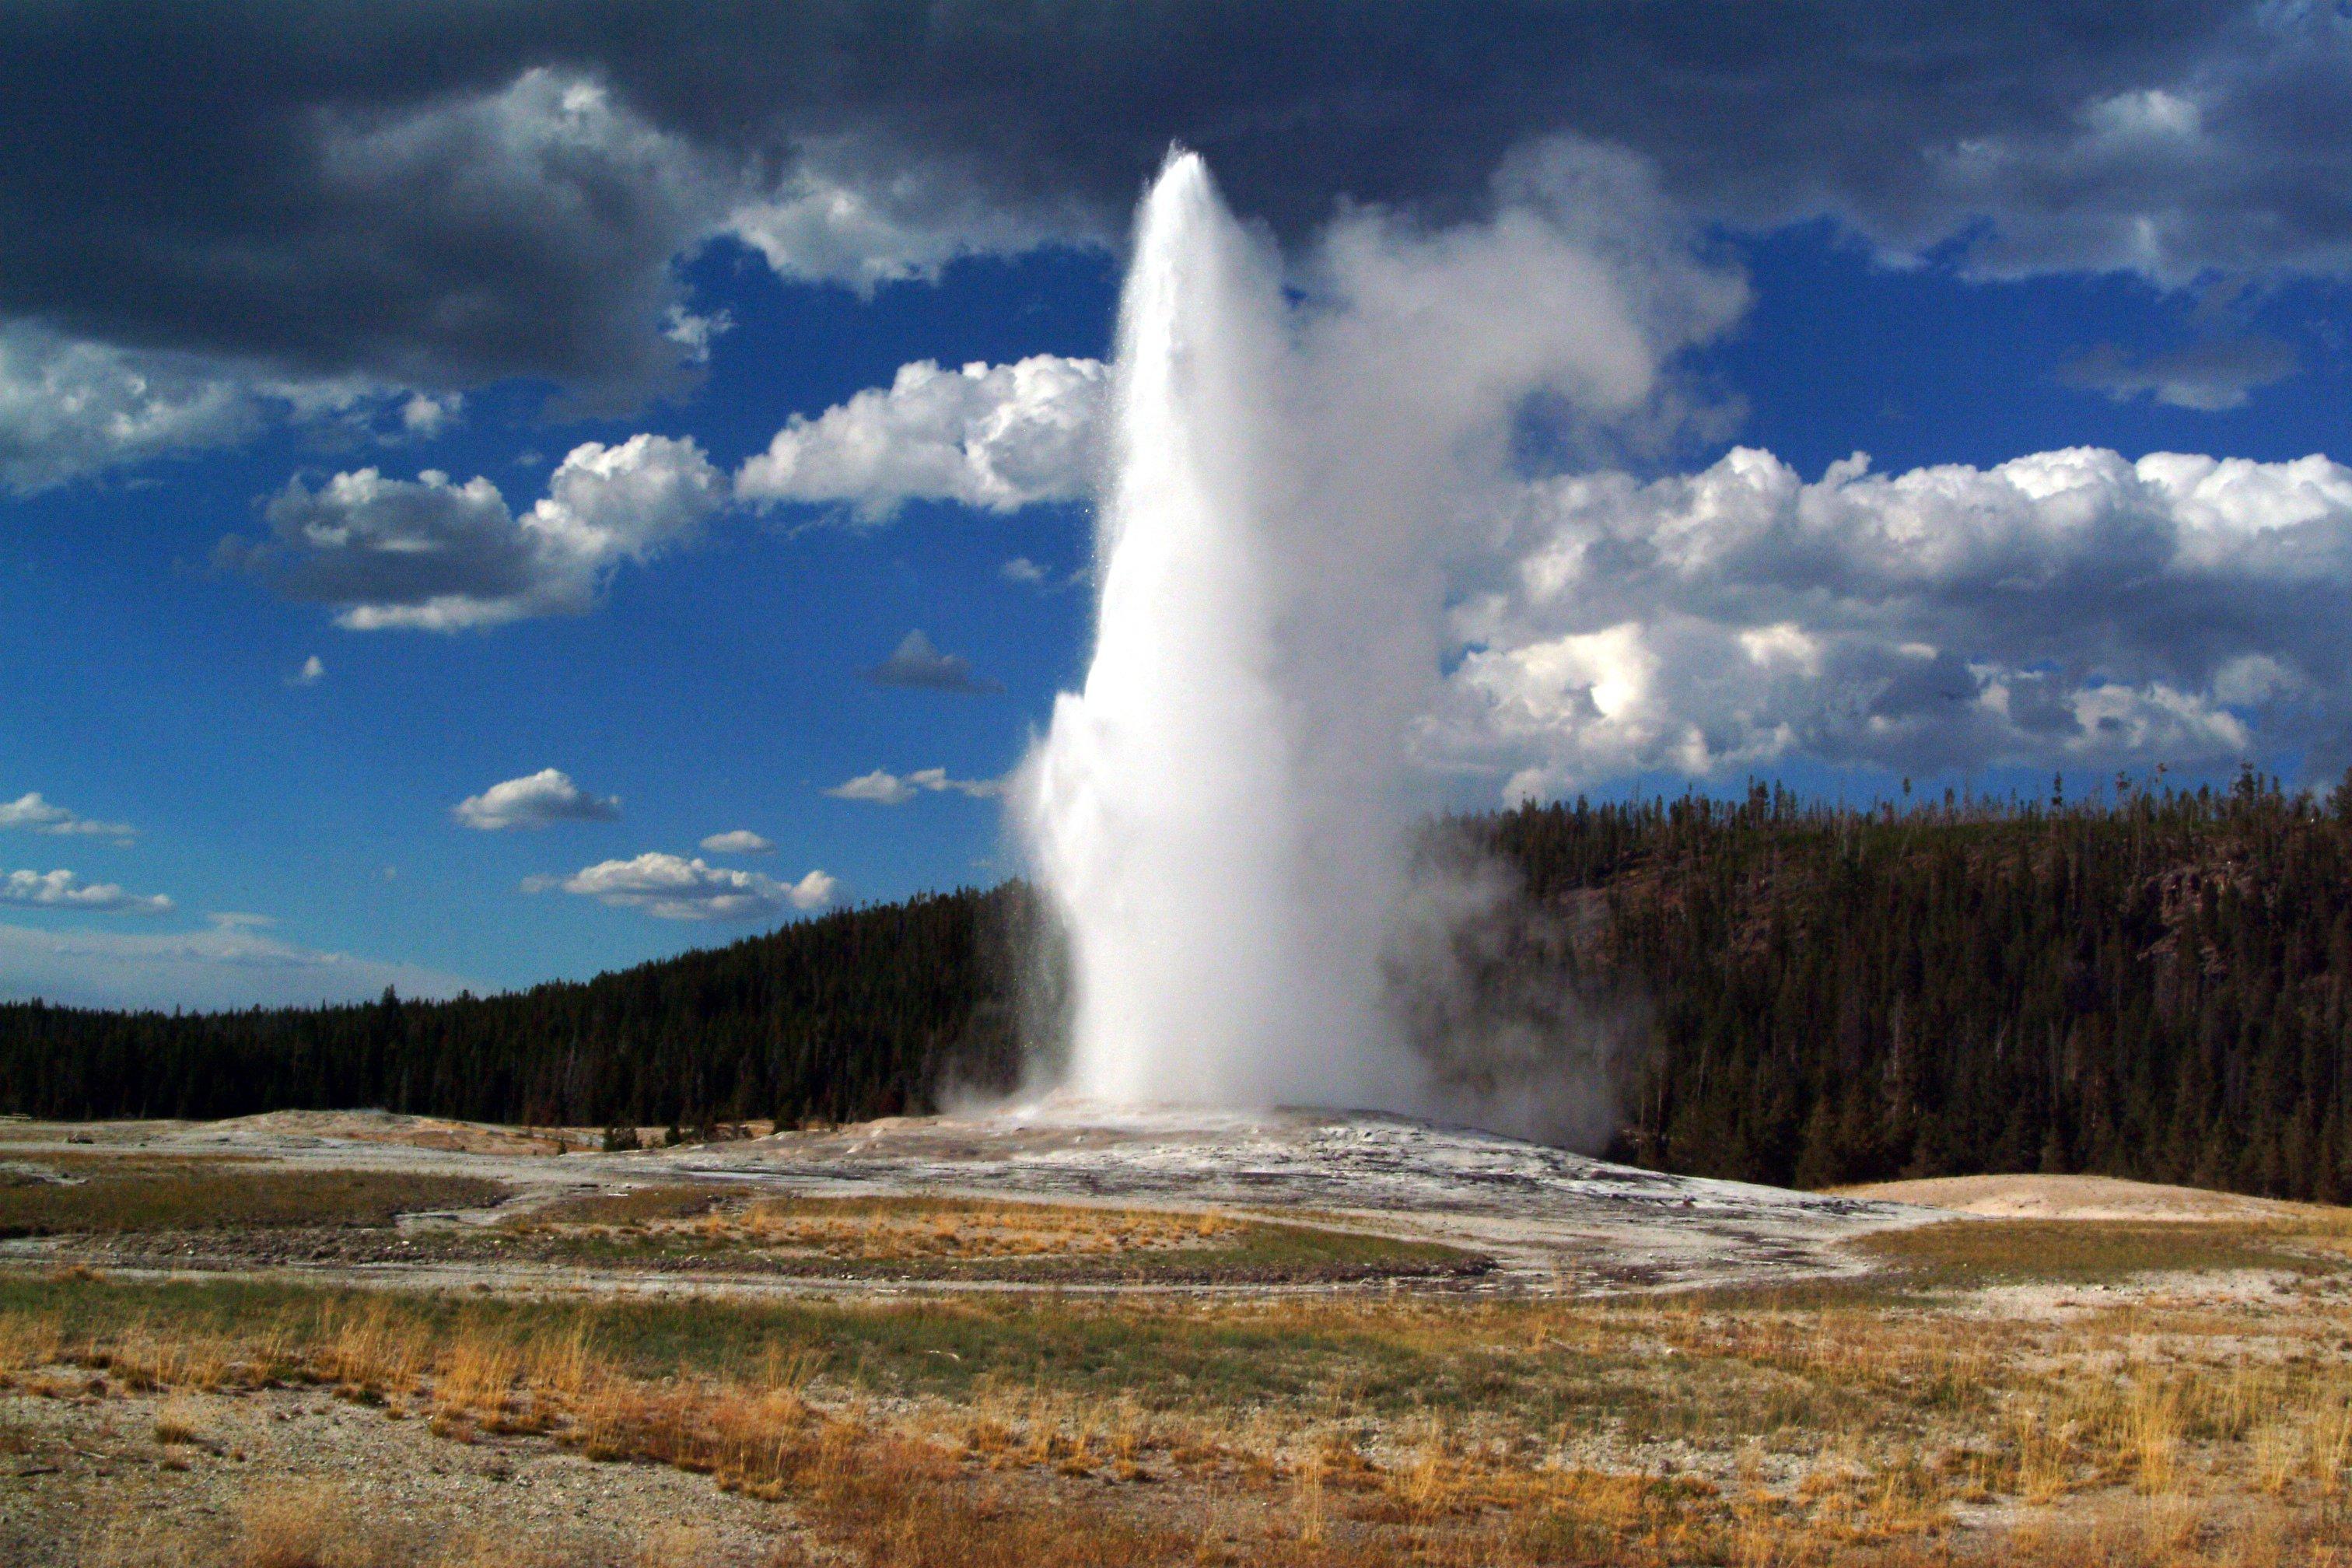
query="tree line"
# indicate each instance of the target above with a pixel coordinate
(2152, 984)
(861, 1012)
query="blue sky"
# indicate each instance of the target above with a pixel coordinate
(720, 689)
(716, 673)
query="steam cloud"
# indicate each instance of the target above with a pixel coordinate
(1222, 817)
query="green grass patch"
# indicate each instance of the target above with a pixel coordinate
(642, 1205)
(134, 1196)
(1963, 1253)
(1187, 1356)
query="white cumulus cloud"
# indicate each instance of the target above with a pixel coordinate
(30, 811)
(69, 410)
(740, 841)
(65, 890)
(675, 888)
(883, 787)
(535, 800)
(2068, 608)
(432, 554)
(695, 332)
(999, 436)
(424, 416)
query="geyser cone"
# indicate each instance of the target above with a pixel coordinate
(1225, 949)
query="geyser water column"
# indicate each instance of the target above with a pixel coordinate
(1224, 948)
(1220, 817)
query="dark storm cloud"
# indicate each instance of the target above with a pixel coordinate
(331, 194)
(436, 193)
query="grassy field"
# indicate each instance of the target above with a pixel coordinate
(946, 1238)
(1966, 1254)
(114, 1197)
(1797, 1429)
(2041, 1394)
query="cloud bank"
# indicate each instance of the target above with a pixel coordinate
(434, 199)
(882, 787)
(228, 964)
(70, 409)
(2072, 606)
(30, 811)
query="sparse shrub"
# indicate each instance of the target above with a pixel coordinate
(310, 1527)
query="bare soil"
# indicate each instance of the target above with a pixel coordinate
(2072, 1198)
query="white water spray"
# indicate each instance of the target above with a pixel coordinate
(1221, 817)
(1164, 804)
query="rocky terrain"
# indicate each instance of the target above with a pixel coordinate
(1537, 1219)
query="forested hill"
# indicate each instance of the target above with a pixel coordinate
(2152, 985)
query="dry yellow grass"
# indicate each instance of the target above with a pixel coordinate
(178, 1421)
(945, 1228)
(313, 1524)
(316, 1525)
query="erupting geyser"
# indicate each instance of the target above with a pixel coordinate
(1221, 817)
(1224, 925)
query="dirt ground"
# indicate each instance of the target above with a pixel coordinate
(86, 1478)
(2071, 1197)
